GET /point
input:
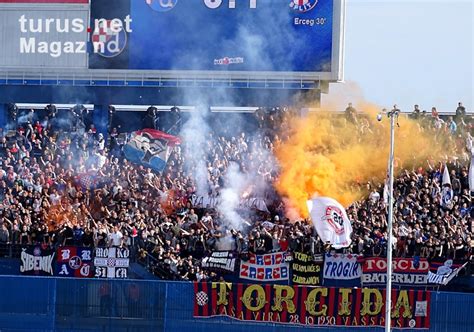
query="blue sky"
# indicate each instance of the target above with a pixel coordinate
(409, 52)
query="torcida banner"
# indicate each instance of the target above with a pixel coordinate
(406, 272)
(321, 306)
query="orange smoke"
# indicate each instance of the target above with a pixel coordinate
(326, 155)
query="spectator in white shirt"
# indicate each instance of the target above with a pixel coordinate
(115, 238)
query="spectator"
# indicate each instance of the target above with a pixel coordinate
(460, 112)
(68, 188)
(351, 113)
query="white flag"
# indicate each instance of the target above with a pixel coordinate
(446, 177)
(471, 172)
(330, 221)
(386, 192)
(447, 193)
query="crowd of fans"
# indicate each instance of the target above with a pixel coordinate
(75, 187)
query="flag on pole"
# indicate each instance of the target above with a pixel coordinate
(330, 221)
(471, 172)
(446, 177)
(150, 148)
(447, 193)
(386, 193)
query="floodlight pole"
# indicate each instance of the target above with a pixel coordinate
(393, 115)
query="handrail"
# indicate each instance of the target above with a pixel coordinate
(175, 77)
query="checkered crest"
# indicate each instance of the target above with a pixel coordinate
(102, 32)
(201, 298)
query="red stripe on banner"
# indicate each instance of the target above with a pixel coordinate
(331, 299)
(205, 308)
(213, 302)
(411, 298)
(196, 307)
(358, 304)
(239, 301)
(295, 301)
(44, 1)
(230, 305)
(268, 294)
(304, 294)
(419, 297)
(322, 302)
(428, 308)
(337, 300)
(381, 315)
(353, 307)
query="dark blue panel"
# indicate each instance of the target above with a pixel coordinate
(257, 84)
(49, 82)
(100, 83)
(154, 83)
(82, 82)
(15, 81)
(293, 85)
(117, 83)
(65, 82)
(33, 82)
(4, 264)
(240, 84)
(134, 83)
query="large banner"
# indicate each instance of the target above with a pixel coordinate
(74, 262)
(150, 148)
(220, 261)
(37, 261)
(265, 268)
(406, 272)
(250, 35)
(306, 269)
(111, 263)
(342, 270)
(311, 306)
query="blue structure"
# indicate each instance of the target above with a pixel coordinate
(52, 304)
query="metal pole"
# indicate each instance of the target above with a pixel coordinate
(388, 288)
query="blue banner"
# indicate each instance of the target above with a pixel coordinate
(342, 270)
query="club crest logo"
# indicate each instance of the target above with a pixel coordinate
(75, 262)
(303, 5)
(335, 219)
(161, 5)
(107, 42)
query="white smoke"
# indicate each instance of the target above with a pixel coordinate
(194, 133)
(230, 196)
(239, 185)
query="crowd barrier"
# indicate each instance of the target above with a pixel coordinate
(66, 304)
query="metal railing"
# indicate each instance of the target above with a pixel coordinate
(174, 79)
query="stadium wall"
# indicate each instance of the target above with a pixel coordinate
(52, 304)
